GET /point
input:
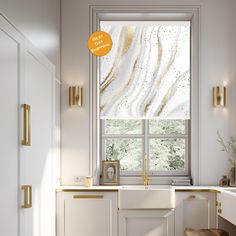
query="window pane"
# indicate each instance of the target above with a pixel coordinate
(128, 151)
(166, 154)
(167, 126)
(123, 126)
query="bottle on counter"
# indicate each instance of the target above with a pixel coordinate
(224, 182)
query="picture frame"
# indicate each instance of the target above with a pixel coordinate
(110, 172)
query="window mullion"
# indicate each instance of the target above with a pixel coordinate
(146, 142)
(129, 136)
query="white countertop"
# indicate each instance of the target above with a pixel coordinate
(116, 188)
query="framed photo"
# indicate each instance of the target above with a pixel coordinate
(110, 172)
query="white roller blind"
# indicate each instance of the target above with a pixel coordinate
(147, 72)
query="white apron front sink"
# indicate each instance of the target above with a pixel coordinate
(151, 197)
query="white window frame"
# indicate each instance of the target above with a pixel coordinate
(149, 13)
(145, 136)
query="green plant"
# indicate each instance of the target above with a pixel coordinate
(229, 147)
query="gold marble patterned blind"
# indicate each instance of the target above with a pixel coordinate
(147, 72)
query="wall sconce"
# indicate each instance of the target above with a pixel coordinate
(219, 96)
(75, 96)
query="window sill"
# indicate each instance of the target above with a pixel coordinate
(161, 180)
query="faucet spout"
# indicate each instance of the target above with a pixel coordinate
(145, 171)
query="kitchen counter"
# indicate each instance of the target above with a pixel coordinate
(116, 188)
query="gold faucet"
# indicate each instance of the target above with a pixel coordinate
(145, 172)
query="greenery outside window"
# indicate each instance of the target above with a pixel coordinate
(165, 142)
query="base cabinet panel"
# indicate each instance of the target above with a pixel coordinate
(195, 210)
(146, 223)
(80, 215)
(88, 214)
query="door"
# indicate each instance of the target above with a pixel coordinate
(87, 214)
(146, 222)
(9, 104)
(195, 210)
(36, 161)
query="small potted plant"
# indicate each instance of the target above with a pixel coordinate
(230, 148)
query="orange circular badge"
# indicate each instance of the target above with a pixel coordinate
(100, 43)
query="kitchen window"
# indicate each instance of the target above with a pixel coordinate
(151, 73)
(146, 98)
(165, 142)
(144, 103)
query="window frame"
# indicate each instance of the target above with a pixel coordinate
(99, 13)
(145, 136)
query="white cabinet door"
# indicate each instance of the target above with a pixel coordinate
(146, 222)
(87, 214)
(36, 160)
(195, 210)
(27, 77)
(9, 103)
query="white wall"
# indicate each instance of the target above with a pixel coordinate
(217, 66)
(39, 21)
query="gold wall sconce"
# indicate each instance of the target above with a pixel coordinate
(75, 96)
(219, 96)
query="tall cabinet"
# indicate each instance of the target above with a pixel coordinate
(27, 136)
(10, 52)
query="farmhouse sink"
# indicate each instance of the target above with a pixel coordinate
(150, 197)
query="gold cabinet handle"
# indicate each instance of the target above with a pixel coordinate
(192, 197)
(27, 196)
(26, 126)
(88, 196)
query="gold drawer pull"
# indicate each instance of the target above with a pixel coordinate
(27, 196)
(88, 196)
(192, 197)
(26, 126)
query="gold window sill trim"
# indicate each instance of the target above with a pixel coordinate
(198, 190)
(86, 190)
(148, 209)
(116, 190)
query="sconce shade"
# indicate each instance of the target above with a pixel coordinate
(219, 96)
(75, 96)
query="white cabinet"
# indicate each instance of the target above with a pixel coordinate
(37, 159)
(87, 213)
(195, 210)
(146, 222)
(10, 48)
(27, 77)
